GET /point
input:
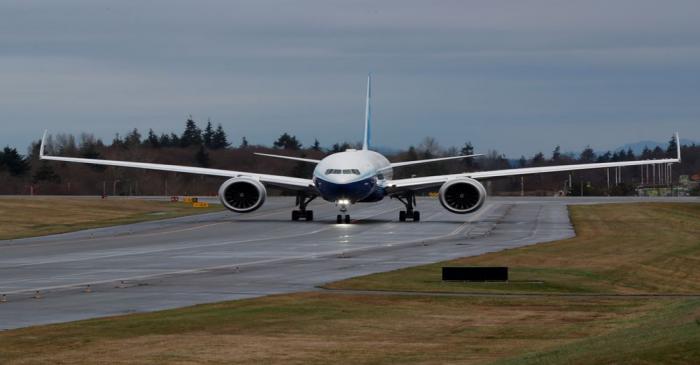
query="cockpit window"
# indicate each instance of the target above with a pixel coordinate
(344, 172)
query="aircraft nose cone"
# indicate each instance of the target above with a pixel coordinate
(335, 189)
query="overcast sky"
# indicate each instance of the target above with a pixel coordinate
(515, 76)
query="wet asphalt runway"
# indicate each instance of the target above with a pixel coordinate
(226, 256)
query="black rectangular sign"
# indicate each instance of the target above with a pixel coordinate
(475, 273)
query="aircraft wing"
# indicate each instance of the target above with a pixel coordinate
(416, 162)
(285, 182)
(419, 183)
(310, 160)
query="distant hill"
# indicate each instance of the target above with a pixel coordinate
(638, 147)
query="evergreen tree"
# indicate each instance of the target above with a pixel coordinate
(133, 139)
(202, 156)
(587, 155)
(219, 139)
(646, 153)
(412, 154)
(467, 150)
(89, 150)
(164, 140)
(672, 146)
(556, 154)
(45, 173)
(118, 142)
(538, 159)
(208, 134)
(152, 140)
(89, 146)
(630, 155)
(605, 157)
(340, 147)
(13, 162)
(287, 142)
(244, 142)
(192, 136)
(316, 146)
(174, 140)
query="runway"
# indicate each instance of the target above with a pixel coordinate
(225, 256)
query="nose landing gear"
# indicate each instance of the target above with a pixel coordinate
(343, 208)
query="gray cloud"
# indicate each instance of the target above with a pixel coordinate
(516, 76)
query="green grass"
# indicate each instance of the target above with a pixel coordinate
(23, 217)
(619, 248)
(668, 335)
(319, 328)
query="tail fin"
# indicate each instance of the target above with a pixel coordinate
(368, 114)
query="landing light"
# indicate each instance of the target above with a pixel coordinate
(343, 201)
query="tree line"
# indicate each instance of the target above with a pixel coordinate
(211, 147)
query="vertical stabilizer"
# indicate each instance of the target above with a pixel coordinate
(368, 114)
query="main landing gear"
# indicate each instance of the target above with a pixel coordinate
(302, 201)
(409, 201)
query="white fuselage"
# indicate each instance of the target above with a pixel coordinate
(353, 175)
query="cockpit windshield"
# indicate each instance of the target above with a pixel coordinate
(344, 172)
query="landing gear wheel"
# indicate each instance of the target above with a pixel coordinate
(339, 219)
(409, 201)
(302, 201)
(347, 219)
(416, 216)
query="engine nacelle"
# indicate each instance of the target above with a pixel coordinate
(242, 195)
(463, 195)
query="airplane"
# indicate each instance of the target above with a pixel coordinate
(357, 176)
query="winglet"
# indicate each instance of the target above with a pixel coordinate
(368, 114)
(43, 143)
(678, 148)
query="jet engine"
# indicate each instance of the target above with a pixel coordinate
(242, 195)
(462, 195)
